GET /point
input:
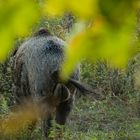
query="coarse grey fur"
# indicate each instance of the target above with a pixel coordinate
(36, 67)
(34, 64)
(41, 57)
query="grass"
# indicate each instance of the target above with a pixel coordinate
(109, 119)
(114, 117)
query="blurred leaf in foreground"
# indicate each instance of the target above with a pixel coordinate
(109, 35)
(19, 120)
(16, 17)
(101, 43)
(82, 9)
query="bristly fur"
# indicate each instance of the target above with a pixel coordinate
(35, 73)
(34, 63)
(42, 32)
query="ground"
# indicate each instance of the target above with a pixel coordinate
(115, 116)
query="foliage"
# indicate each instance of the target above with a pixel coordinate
(16, 17)
(104, 31)
(114, 117)
(109, 31)
(109, 81)
(6, 81)
(18, 120)
(110, 119)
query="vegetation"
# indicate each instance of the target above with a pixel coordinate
(113, 116)
(107, 34)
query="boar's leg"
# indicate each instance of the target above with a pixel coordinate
(47, 124)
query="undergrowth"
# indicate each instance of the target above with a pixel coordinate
(114, 117)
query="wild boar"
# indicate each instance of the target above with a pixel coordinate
(36, 67)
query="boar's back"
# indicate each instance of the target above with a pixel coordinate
(37, 58)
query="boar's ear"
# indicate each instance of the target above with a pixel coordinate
(42, 32)
(84, 89)
(81, 87)
(61, 92)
